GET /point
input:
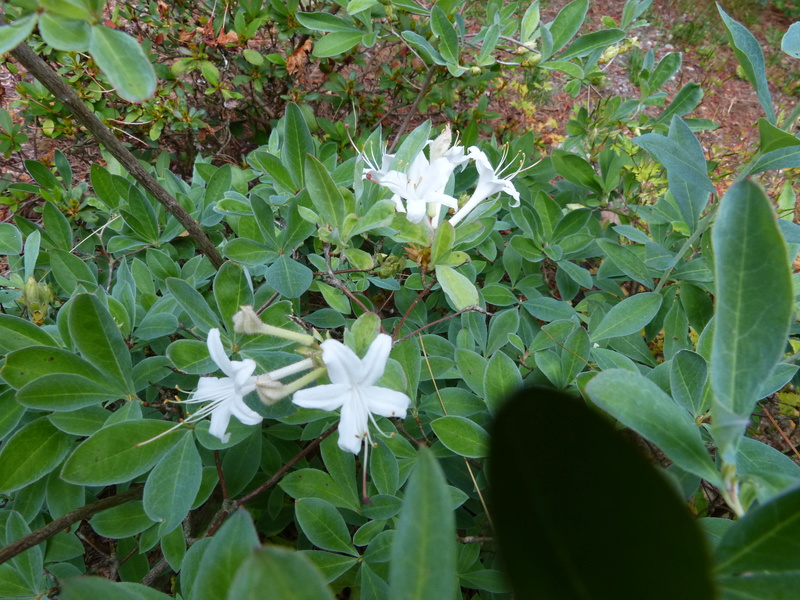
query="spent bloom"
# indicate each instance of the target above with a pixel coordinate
(490, 182)
(353, 389)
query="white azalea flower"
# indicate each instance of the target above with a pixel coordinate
(353, 389)
(225, 395)
(423, 184)
(489, 183)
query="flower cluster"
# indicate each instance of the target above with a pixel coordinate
(422, 185)
(352, 388)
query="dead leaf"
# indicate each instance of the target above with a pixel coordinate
(296, 63)
(231, 37)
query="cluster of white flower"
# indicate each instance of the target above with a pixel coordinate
(352, 388)
(422, 185)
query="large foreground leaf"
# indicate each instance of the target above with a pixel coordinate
(637, 541)
(754, 298)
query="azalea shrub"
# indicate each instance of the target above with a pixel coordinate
(389, 368)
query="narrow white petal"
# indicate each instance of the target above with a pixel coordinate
(244, 413)
(385, 402)
(217, 352)
(242, 373)
(343, 364)
(417, 209)
(353, 426)
(324, 397)
(374, 362)
(219, 423)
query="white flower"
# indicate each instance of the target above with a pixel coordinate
(489, 183)
(353, 389)
(225, 395)
(423, 184)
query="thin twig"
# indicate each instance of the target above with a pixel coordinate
(412, 111)
(783, 435)
(62, 523)
(66, 95)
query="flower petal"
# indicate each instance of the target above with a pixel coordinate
(374, 363)
(324, 397)
(244, 413)
(219, 423)
(353, 426)
(217, 352)
(385, 402)
(344, 366)
(242, 371)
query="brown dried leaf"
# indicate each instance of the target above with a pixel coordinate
(230, 37)
(296, 63)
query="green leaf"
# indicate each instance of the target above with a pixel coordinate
(460, 290)
(16, 333)
(121, 521)
(64, 392)
(313, 483)
(462, 436)
(96, 336)
(443, 241)
(685, 101)
(790, 43)
(275, 572)
(644, 407)
(322, 21)
(760, 586)
(629, 316)
(749, 54)
(423, 46)
(577, 170)
(448, 37)
(502, 378)
(627, 261)
(65, 34)
(781, 158)
(567, 24)
(222, 558)
(31, 453)
(764, 540)
(100, 588)
(323, 525)
(687, 378)
(530, 22)
(472, 368)
(680, 158)
(113, 454)
(173, 485)
(337, 43)
(423, 555)
(542, 531)
(69, 270)
(14, 34)
(191, 356)
(232, 290)
(591, 41)
(288, 277)
(10, 240)
(124, 63)
(754, 299)
(193, 303)
(325, 195)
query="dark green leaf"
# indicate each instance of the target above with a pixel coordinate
(542, 529)
(122, 60)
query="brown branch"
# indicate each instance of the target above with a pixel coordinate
(60, 524)
(65, 94)
(426, 85)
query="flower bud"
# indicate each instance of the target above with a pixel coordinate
(247, 321)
